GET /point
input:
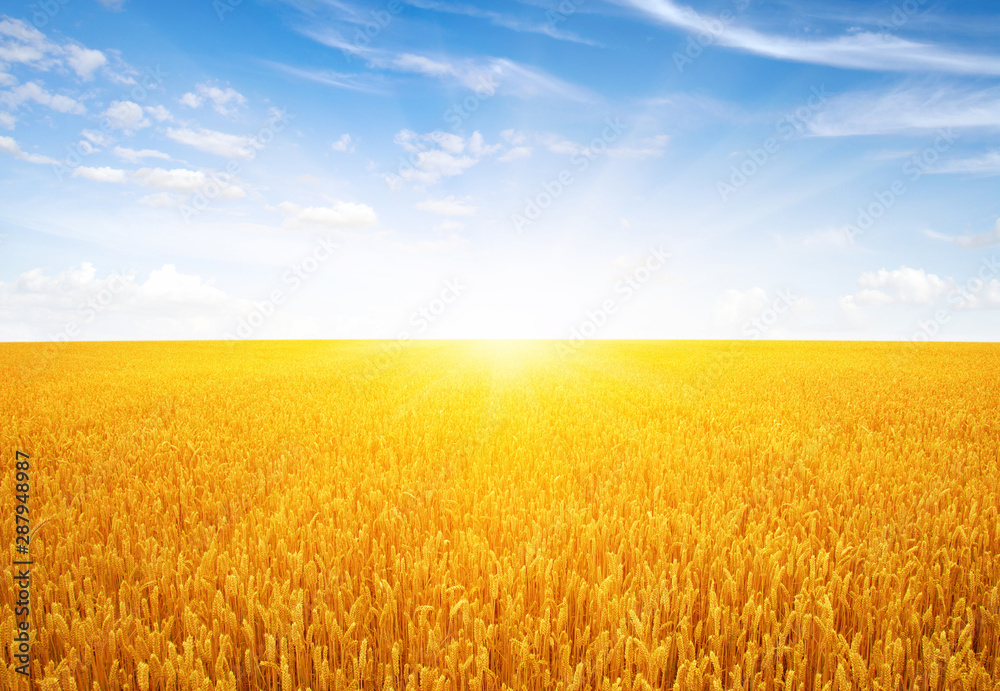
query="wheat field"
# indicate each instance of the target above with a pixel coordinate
(451, 516)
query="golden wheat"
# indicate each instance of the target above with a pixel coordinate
(478, 516)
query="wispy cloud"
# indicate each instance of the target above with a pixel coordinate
(650, 147)
(339, 215)
(486, 75)
(33, 91)
(505, 21)
(224, 101)
(219, 143)
(860, 51)
(904, 285)
(987, 164)
(103, 174)
(449, 206)
(437, 155)
(345, 144)
(364, 83)
(908, 109)
(971, 241)
(135, 156)
(12, 148)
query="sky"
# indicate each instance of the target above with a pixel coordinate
(402, 169)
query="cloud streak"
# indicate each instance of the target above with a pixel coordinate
(859, 51)
(908, 109)
(502, 20)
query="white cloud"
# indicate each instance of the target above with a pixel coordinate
(448, 227)
(487, 76)
(84, 61)
(904, 285)
(364, 83)
(650, 147)
(514, 137)
(173, 180)
(909, 286)
(511, 22)
(126, 116)
(181, 180)
(7, 120)
(224, 101)
(169, 302)
(987, 164)
(343, 144)
(33, 91)
(161, 200)
(755, 313)
(437, 155)
(159, 113)
(850, 313)
(168, 285)
(478, 147)
(984, 295)
(218, 143)
(339, 215)
(861, 50)
(515, 153)
(829, 239)
(133, 156)
(971, 241)
(11, 147)
(407, 62)
(907, 110)
(430, 166)
(100, 174)
(22, 43)
(449, 206)
(735, 307)
(558, 144)
(96, 137)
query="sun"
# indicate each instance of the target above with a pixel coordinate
(512, 353)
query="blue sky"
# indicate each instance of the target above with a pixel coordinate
(520, 168)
